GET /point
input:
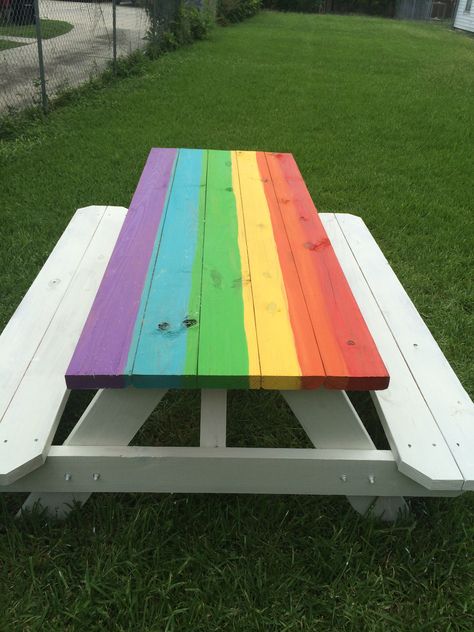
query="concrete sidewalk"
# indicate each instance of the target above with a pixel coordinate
(72, 58)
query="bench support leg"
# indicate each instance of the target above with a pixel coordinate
(330, 421)
(112, 418)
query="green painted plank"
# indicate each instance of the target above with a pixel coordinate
(223, 356)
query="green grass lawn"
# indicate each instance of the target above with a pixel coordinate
(379, 115)
(6, 44)
(49, 28)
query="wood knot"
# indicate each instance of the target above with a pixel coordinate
(189, 322)
(216, 277)
(164, 326)
(311, 245)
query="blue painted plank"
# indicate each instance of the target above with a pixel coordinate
(149, 277)
(160, 358)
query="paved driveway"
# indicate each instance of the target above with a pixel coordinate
(72, 58)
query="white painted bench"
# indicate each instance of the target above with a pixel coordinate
(427, 416)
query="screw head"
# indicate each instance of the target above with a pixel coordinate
(96, 476)
(343, 478)
(371, 479)
(67, 476)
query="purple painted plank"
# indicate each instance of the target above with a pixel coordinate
(102, 350)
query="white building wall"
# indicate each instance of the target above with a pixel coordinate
(463, 20)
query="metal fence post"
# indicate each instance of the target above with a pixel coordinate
(114, 34)
(39, 40)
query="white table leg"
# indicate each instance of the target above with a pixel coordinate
(213, 418)
(112, 418)
(330, 421)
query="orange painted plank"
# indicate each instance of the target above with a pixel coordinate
(349, 354)
(309, 358)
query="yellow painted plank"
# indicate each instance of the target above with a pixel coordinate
(249, 312)
(276, 345)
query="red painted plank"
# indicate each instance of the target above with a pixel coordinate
(348, 351)
(312, 369)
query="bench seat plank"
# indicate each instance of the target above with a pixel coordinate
(29, 423)
(445, 396)
(413, 432)
(23, 333)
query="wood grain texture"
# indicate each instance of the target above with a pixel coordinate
(23, 334)
(102, 352)
(348, 352)
(254, 369)
(160, 359)
(223, 354)
(278, 359)
(29, 423)
(415, 439)
(448, 401)
(312, 369)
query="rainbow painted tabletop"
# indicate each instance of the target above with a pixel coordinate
(224, 277)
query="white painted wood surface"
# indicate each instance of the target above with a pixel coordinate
(29, 423)
(404, 413)
(22, 335)
(115, 416)
(331, 421)
(222, 470)
(112, 418)
(213, 418)
(441, 389)
(464, 19)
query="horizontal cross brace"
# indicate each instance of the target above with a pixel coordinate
(222, 470)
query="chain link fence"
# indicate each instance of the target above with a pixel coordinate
(48, 46)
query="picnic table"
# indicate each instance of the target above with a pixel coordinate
(222, 275)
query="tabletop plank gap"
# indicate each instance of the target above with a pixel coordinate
(195, 299)
(255, 371)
